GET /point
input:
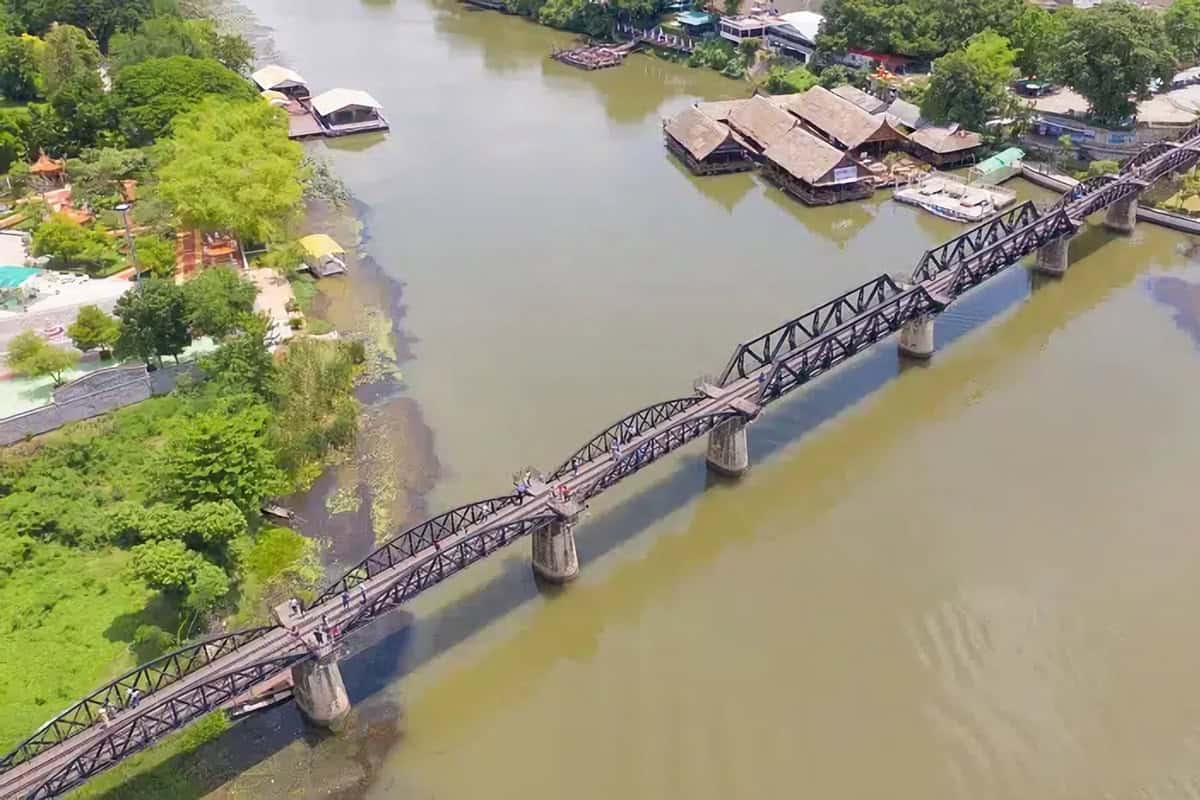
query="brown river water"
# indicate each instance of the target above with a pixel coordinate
(976, 578)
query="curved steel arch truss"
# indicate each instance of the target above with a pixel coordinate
(420, 537)
(655, 447)
(147, 679)
(125, 739)
(444, 562)
(623, 430)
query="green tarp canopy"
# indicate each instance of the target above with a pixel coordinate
(1002, 160)
(12, 277)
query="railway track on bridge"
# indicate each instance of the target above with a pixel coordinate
(223, 672)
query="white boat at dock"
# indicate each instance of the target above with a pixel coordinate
(951, 198)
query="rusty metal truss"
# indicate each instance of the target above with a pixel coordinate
(124, 740)
(970, 272)
(656, 447)
(421, 537)
(444, 562)
(947, 256)
(148, 678)
(821, 355)
(624, 430)
(749, 357)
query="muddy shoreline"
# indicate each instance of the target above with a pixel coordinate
(372, 493)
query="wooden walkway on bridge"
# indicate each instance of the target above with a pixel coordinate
(239, 670)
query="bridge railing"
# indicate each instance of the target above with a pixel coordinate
(412, 541)
(947, 255)
(753, 355)
(126, 738)
(147, 679)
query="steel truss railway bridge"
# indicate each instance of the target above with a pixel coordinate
(250, 669)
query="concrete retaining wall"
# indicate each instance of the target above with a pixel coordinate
(90, 396)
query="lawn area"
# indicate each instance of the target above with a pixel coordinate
(66, 621)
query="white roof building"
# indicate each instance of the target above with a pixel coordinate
(327, 103)
(274, 76)
(807, 22)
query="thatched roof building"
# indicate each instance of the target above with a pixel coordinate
(867, 102)
(815, 171)
(841, 122)
(945, 146)
(760, 122)
(719, 110)
(706, 146)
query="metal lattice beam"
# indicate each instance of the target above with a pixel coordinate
(753, 355)
(147, 679)
(944, 257)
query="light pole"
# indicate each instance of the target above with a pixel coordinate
(123, 208)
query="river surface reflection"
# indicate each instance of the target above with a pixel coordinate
(973, 578)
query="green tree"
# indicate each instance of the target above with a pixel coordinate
(163, 522)
(232, 50)
(731, 7)
(316, 409)
(1112, 52)
(19, 68)
(217, 299)
(1102, 167)
(167, 564)
(69, 56)
(969, 85)
(242, 363)
(1182, 22)
(94, 329)
(97, 173)
(156, 254)
(149, 95)
(919, 28)
(215, 525)
(1035, 37)
(222, 456)
(159, 37)
(70, 245)
(101, 18)
(230, 167)
(30, 354)
(786, 81)
(153, 321)
(208, 585)
(837, 75)
(82, 117)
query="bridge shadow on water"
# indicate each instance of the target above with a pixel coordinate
(383, 654)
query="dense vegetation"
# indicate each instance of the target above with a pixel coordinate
(125, 535)
(1109, 53)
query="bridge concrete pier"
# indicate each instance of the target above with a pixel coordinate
(1054, 256)
(1122, 216)
(916, 337)
(554, 556)
(728, 449)
(319, 690)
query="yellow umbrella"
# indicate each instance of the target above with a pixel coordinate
(273, 97)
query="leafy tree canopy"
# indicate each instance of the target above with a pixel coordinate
(20, 68)
(784, 81)
(148, 95)
(1113, 52)
(93, 329)
(243, 364)
(1182, 22)
(156, 254)
(100, 18)
(69, 56)
(217, 299)
(222, 456)
(167, 564)
(153, 321)
(918, 28)
(166, 36)
(969, 85)
(97, 173)
(230, 168)
(71, 245)
(30, 354)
